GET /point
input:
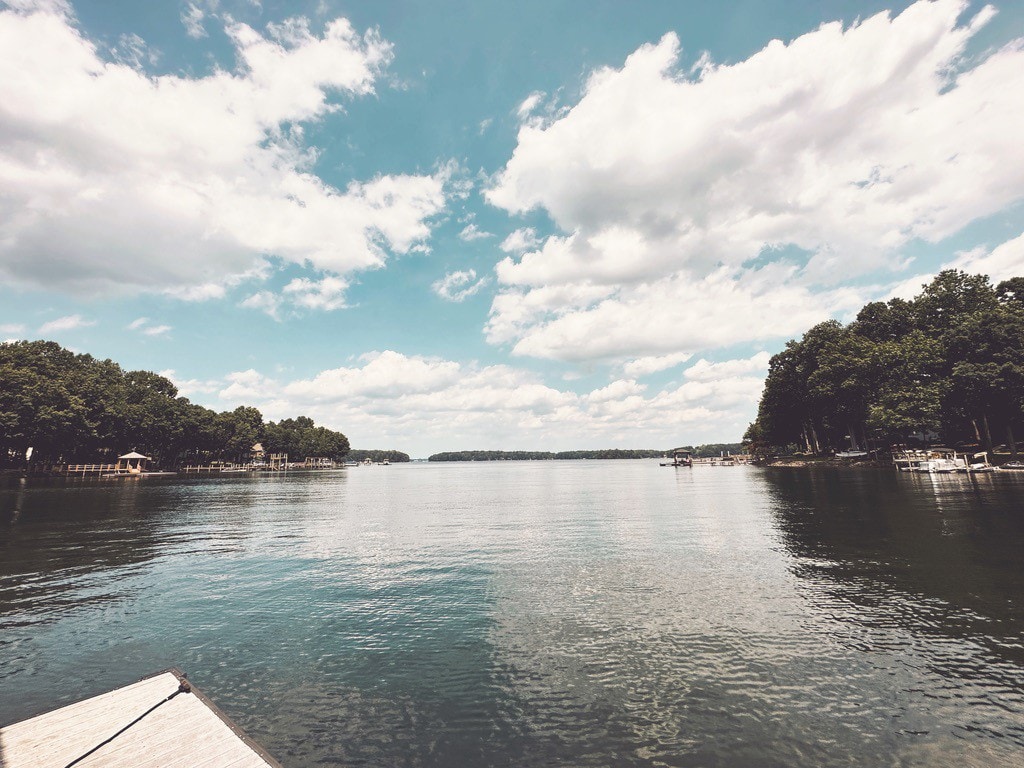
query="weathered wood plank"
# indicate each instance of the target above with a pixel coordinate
(184, 732)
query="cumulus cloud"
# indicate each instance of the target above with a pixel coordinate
(579, 321)
(114, 180)
(192, 387)
(427, 404)
(644, 366)
(1002, 262)
(523, 239)
(66, 323)
(458, 286)
(264, 301)
(326, 294)
(302, 293)
(704, 370)
(842, 146)
(12, 328)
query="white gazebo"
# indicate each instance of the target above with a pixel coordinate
(133, 463)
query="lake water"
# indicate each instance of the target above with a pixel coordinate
(593, 613)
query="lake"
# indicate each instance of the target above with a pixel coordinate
(591, 613)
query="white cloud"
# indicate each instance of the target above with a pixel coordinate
(846, 144)
(704, 370)
(201, 292)
(192, 16)
(192, 387)
(458, 286)
(425, 404)
(1002, 262)
(520, 240)
(302, 293)
(56, 7)
(644, 366)
(12, 328)
(326, 294)
(117, 181)
(133, 51)
(671, 316)
(247, 387)
(145, 326)
(66, 323)
(265, 301)
(472, 232)
(617, 390)
(529, 104)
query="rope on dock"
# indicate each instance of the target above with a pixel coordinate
(183, 687)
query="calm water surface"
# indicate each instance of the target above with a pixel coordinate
(538, 613)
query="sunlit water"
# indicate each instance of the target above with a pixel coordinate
(599, 613)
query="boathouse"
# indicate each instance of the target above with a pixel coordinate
(133, 463)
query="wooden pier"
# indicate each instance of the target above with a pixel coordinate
(89, 469)
(182, 729)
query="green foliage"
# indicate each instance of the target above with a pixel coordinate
(75, 408)
(395, 457)
(606, 453)
(949, 360)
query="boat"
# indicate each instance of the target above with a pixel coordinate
(941, 464)
(680, 458)
(980, 466)
(161, 720)
(851, 454)
(1012, 466)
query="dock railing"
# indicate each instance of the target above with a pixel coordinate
(89, 469)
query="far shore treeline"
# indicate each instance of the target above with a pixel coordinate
(701, 451)
(946, 367)
(74, 408)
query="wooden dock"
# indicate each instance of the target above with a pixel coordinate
(185, 731)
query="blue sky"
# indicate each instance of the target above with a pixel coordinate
(535, 225)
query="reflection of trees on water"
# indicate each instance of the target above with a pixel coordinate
(57, 539)
(67, 543)
(933, 563)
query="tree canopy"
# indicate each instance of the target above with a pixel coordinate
(73, 407)
(606, 453)
(948, 363)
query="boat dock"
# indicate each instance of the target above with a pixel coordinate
(178, 728)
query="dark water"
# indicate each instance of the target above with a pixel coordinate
(537, 614)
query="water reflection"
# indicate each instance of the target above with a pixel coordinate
(576, 613)
(924, 575)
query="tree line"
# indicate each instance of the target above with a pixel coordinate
(710, 450)
(606, 453)
(75, 408)
(947, 365)
(395, 457)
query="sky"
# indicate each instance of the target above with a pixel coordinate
(541, 225)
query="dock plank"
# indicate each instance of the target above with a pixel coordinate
(188, 730)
